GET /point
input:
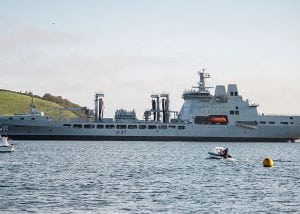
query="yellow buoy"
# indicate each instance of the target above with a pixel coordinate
(268, 162)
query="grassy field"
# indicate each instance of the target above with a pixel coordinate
(12, 103)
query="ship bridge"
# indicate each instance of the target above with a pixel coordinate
(200, 102)
(200, 91)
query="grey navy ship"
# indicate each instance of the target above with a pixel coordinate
(224, 116)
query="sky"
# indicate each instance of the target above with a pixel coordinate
(131, 49)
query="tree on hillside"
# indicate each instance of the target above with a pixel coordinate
(67, 104)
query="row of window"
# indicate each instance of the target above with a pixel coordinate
(235, 112)
(272, 122)
(21, 118)
(110, 126)
(234, 94)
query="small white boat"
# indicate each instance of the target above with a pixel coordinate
(5, 146)
(220, 153)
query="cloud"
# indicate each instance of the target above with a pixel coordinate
(19, 39)
(29, 36)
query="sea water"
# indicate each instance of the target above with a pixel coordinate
(148, 177)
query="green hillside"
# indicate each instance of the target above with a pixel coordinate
(13, 102)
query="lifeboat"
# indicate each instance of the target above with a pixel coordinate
(218, 120)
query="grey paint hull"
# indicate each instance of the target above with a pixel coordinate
(46, 130)
(144, 138)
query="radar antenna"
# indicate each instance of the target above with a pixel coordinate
(201, 84)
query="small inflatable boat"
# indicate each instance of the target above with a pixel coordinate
(219, 153)
(5, 146)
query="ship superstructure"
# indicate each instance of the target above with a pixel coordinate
(222, 116)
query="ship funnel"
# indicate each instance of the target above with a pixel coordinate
(232, 90)
(99, 106)
(220, 93)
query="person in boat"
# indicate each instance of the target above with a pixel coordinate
(224, 153)
(227, 155)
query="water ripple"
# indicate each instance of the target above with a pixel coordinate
(148, 177)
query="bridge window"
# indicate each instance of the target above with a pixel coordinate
(231, 112)
(285, 123)
(181, 127)
(77, 126)
(271, 122)
(67, 125)
(172, 127)
(263, 122)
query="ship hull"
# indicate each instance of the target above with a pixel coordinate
(146, 138)
(40, 128)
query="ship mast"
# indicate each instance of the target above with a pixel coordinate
(201, 84)
(32, 107)
(200, 91)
